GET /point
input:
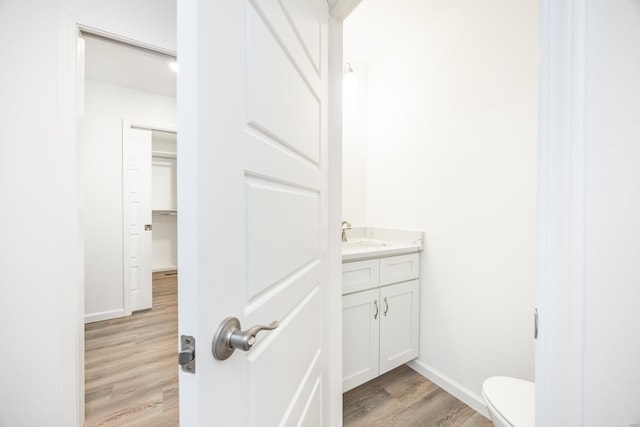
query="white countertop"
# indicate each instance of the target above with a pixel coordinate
(368, 242)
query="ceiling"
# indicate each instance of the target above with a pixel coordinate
(125, 65)
(377, 25)
(369, 31)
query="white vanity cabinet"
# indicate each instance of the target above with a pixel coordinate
(380, 316)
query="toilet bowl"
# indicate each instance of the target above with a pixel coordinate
(511, 401)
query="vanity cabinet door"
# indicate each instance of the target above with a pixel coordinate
(360, 337)
(398, 324)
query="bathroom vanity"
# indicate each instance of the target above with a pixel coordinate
(380, 302)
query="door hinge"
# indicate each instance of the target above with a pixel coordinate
(535, 323)
(187, 355)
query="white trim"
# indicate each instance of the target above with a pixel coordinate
(72, 320)
(342, 8)
(126, 215)
(187, 185)
(104, 315)
(161, 127)
(561, 213)
(334, 305)
(72, 333)
(450, 386)
(101, 28)
(169, 268)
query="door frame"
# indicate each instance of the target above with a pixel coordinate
(562, 192)
(72, 111)
(333, 313)
(126, 128)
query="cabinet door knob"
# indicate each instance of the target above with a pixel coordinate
(386, 306)
(375, 303)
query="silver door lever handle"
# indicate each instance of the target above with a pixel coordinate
(244, 340)
(230, 338)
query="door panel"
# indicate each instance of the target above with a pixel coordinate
(305, 19)
(277, 92)
(254, 212)
(281, 219)
(312, 412)
(285, 363)
(137, 212)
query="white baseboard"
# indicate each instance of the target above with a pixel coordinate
(103, 315)
(450, 386)
(165, 268)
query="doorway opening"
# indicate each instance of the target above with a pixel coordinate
(440, 135)
(128, 170)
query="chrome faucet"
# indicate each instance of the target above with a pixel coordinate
(346, 225)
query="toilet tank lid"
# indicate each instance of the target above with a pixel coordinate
(512, 398)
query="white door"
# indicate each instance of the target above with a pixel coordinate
(136, 193)
(252, 102)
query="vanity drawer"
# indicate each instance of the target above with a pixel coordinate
(399, 268)
(360, 275)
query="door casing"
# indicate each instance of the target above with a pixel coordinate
(562, 191)
(72, 84)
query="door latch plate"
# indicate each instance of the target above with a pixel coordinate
(187, 355)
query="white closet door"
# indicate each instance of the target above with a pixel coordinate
(137, 218)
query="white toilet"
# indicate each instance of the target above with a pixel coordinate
(511, 401)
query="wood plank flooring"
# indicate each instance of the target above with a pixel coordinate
(131, 377)
(131, 370)
(404, 398)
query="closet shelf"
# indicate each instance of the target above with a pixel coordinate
(165, 212)
(163, 154)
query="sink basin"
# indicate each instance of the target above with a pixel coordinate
(367, 243)
(363, 244)
(358, 249)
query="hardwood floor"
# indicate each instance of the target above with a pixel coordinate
(404, 398)
(131, 370)
(131, 377)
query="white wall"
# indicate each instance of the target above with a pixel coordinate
(40, 286)
(101, 162)
(354, 148)
(612, 275)
(451, 150)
